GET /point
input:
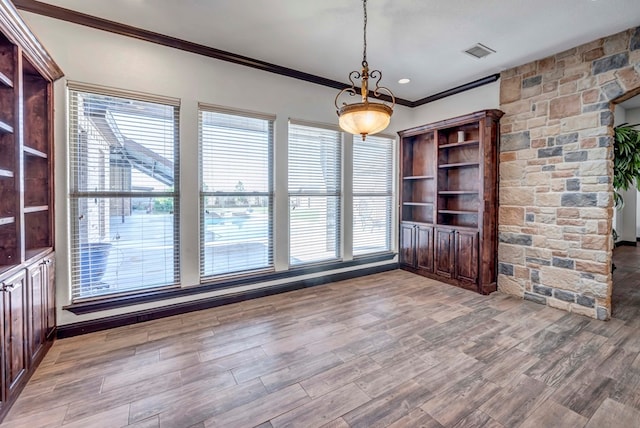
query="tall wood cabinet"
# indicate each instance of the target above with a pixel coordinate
(27, 289)
(448, 200)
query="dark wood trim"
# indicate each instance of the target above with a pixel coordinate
(84, 327)
(458, 89)
(91, 21)
(12, 26)
(627, 243)
(213, 285)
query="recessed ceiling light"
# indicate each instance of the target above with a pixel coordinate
(404, 81)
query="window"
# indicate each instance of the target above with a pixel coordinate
(372, 195)
(315, 181)
(123, 153)
(236, 192)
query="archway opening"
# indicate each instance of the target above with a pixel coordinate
(625, 293)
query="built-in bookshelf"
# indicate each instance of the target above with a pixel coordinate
(27, 297)
(448, 199)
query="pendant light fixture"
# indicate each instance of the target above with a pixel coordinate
(365, 118)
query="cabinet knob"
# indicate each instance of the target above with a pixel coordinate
(7, 287)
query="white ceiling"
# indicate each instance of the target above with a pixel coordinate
(419, 39)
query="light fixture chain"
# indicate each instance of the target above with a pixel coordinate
(364, 52)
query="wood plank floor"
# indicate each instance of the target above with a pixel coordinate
(391, 349)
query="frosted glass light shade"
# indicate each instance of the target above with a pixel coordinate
(364, 118)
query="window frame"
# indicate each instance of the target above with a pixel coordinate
(390, 194)
(269, 194)
(76, 165)
(339, 193)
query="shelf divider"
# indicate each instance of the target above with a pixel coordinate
(457, 212)
(33, 152)
(5, 80)
(463, 143)
(418, 204)
(458, 192)
(36, 209)
(419, 177)
(5, 128)
(7, 220)
(458, 165)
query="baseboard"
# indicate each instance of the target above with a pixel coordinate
(75, 329)
(627, 243)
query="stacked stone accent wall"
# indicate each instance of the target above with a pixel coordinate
(556, 166)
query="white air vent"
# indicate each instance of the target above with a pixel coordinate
(479, 51)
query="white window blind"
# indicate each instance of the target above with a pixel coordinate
(123, 155)
(372, 195)
(315, 182)
(236, 192)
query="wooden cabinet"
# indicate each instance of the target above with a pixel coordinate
(26, 202)
(416, 246)
(445, 252)
(449, 176)
(407, 244)
(424, 247)
(14, 349)
(466, 256)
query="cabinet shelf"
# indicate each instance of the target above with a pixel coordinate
(5, 128)
(7, 220)
(457, 212)
(6, 173)
(36, 209)
(33, 152)
(419, 177)
(418, 204)
(5, 80)
(458, 192)
(458, 165)
(461, 144)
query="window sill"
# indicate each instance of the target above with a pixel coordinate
(212, 284)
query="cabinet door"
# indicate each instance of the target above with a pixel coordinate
(407, 246)
(444, 252)
(14, 298)
(50, 290)
(424, 248)
(36, 314)
(467, 256)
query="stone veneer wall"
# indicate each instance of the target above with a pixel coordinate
(556, 173)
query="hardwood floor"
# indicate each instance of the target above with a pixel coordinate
(391, 349)
(626, 285)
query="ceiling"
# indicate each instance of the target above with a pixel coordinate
(422, 40)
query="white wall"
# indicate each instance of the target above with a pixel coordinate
(96, 57)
